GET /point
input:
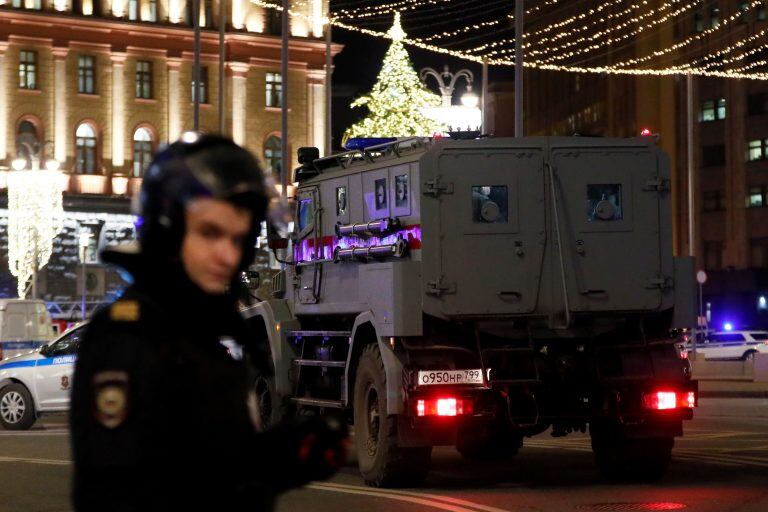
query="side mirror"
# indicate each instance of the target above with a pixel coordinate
(44, 350)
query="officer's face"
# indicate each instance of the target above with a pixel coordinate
(213, 243)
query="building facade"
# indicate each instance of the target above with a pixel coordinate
(99, 85)
(730, 137)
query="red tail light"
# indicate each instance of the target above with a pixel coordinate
(665, 400)
(446, 406)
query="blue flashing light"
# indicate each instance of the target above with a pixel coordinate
(762, 303)
(728, 326)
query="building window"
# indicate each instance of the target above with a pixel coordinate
(85, 149)
(744, 9)
(142, 151)
(27, 69)
(757, 150)
(203, 85)
(758, 252)
(712, 156)
(86, 78)
(152, 13)
(698, 22)
(133, 10)
(720, 110)
(714, 17)
(713, 255)
(144, 79)
(756, 197)
(27, 142)
(761, 12)
(274, 90)
(273, 148)
(712, 110)
(35, 5)
(713, 201)
(757, 104)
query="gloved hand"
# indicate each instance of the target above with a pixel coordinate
(323, 443)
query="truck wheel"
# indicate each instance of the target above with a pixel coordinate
(382, 462)
(17, 410)
(621, 459)
(489, 443)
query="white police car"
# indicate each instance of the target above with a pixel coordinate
(39, 381)
(731, 345)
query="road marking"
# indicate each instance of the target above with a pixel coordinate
(51, 462)
(32, 433)
(428, 500)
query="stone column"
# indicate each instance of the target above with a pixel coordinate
(3, 103)
(60, 110)
(118, 110)
(316, 110)
(174, 101)
(238, 72)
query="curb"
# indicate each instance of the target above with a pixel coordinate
(732, 394)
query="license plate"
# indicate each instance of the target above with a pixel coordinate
(442, 377)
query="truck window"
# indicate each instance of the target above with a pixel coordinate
(306, 213)
(727, 337)
(759, 336)
(490, 204)
(41, 321)
(341, 201)
(604, 203)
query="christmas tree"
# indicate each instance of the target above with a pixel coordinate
(397, 98)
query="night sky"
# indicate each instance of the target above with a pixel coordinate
(357, 66)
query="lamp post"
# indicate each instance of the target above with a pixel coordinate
(469, 99)
(83, 242)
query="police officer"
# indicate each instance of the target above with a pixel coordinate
(160, 414)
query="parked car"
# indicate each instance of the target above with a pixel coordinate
(39, 381)
(731, 345)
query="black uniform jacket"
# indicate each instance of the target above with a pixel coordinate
(160, 417)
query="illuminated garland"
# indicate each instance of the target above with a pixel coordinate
(35, 217)
(615, 69)
(612, 40)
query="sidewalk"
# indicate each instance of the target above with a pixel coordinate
(722, 388)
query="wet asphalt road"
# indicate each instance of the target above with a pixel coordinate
(720, 465)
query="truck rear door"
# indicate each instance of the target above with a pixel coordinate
(607, 203)
(483, 230)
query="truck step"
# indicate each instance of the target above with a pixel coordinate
(318, 362)
(319, 334)
(318, 402)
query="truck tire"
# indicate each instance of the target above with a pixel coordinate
(489, 443)
(382, 462)
(268, 406)
(17, 410)
(749, 355)
(621, 459)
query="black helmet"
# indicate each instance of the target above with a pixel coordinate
(197, 166)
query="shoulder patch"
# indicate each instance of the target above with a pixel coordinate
(124, 311)
(111, 398)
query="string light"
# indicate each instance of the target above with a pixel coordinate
(617, 27)
(621, 68)
(35, 217)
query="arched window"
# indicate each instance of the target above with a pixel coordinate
(85, 149)
(27, 141)
(142, 151)
(273, 154)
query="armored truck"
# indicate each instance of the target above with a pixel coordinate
(476, 293)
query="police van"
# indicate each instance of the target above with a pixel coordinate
(24, 325)
(39, 381)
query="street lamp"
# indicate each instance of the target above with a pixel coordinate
(446, 89)
(456, 118)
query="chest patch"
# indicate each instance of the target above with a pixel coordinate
(111, 398)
